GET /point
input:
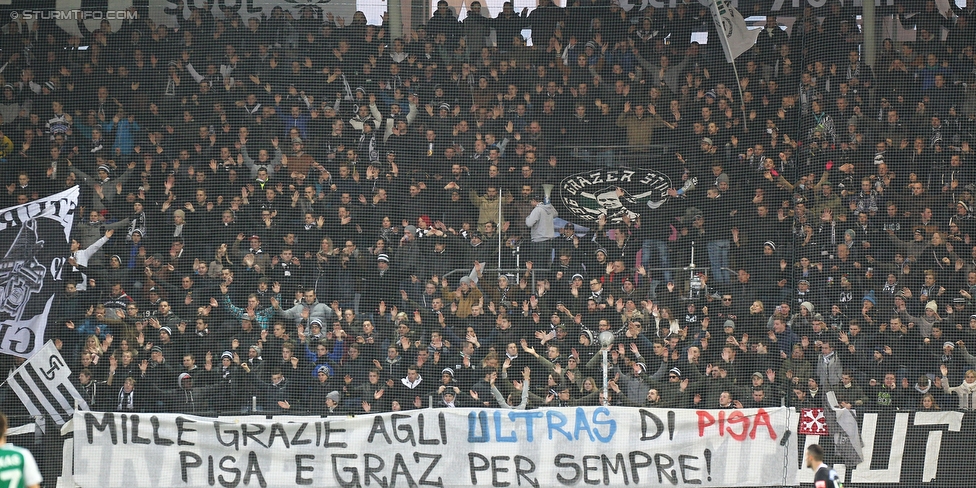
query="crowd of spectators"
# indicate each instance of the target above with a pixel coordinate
(272, 210)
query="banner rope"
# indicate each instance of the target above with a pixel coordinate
(786, 456)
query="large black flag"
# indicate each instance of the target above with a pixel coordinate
(34, 246)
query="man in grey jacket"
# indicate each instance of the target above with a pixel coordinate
(307, 310)
(541, 222)
(829, 368)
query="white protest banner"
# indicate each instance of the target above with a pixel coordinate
(612, 446)
(35, 236)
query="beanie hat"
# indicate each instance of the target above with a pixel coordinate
(325, 368)
(588, 334)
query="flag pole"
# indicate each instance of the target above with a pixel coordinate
(736, 39)
(742, 98)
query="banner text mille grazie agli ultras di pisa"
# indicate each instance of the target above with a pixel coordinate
(447, 447)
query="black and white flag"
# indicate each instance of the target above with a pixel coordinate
(842, 424)
(43, 383)
(732, 30)
(34, 247)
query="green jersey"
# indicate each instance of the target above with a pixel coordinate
(17, 467)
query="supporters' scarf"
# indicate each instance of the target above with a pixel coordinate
(411, 385)
(138, 224)
(395, 82)
(967, 387)
(503, 293)
(827, 358)
(126, 401)
(368, 146)
(346, 87)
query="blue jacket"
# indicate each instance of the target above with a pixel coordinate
(125, 135)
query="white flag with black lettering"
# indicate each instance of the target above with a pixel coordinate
(732, 30)
(43, 383)
(34, 248)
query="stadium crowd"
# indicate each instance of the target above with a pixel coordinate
(272, 209)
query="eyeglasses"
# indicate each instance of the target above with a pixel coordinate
(727, 299)
(673, 377)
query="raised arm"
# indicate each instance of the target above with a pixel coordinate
(248, 161)
(499, 397)
(525, 395)
(375, 112)
(412, 113)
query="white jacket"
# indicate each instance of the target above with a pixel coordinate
(82, 257)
